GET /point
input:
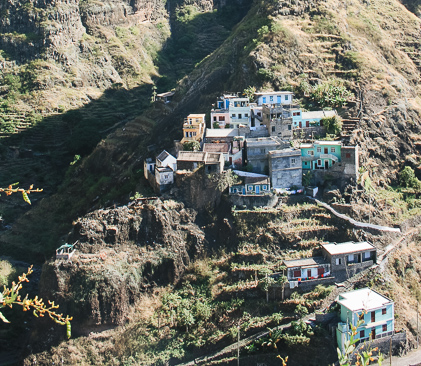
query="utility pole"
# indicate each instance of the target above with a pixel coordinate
(390, 351)
(418, 329)
(238, 345)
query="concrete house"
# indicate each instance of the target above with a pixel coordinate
(347, 259)
(160, 173)
(231, 109)
(320, 154)
(257, 150)
(272, 97)
(252, 183)
(312, 118)
(306, 269)
(285, 168)
(194, 128)
(277, 121)
(218, 147)
(165, 97)
(376, 310)
(192, 160)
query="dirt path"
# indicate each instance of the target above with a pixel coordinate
(411, 359)
(358, 224)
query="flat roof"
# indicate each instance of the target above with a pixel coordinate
(200, 156)
(216, 147)
(273, 93)
(196, 115)
(221, 132)
(318, 114)
(240, 173)
(166, 94)
(347, 247)
(363, 299)
(287, 151)
(305, 262)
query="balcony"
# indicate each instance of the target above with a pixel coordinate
(329, 156)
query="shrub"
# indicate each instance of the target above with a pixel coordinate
(333, 124)
(408, 179)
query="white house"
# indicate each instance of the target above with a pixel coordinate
(272, 97)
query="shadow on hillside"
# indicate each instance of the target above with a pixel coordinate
(42, 155)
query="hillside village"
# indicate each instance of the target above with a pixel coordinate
(273, 147)
(270, 143)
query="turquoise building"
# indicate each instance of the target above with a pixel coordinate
(375, 310)
(320, 154)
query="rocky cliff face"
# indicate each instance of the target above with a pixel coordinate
(120, 253)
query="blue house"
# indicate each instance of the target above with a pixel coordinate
(376, 311)
(320, 154)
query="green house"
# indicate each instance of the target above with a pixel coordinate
(320, 154)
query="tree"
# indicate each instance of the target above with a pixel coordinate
(266, 282)
(332, 124)
(249, 92)
(408, 179)
(282, 280)
(191, 146)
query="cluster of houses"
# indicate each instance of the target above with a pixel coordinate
(257, 140)
(257, 137)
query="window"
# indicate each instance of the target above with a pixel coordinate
(234, 190)
(367, 255)
(214, 118)
(348, 155)
(265, 187)
(264, 100)
(305, 163)
(319, 162)
(286, 97)
(187, 134)
(338, 261)
(233, 115)
(250, 188)
(319, 149)
(310, 152)
(298, 113)
(297, 273)
(221, 118)
(384, 311)
(289, 127)
(273, 128)
(332, 149)
(246, 115)
(351, 257)
(362, 334)
(240, 116)
(271, 98)
(384, 328)
(194, 133)
(293, 161)
(262, 151)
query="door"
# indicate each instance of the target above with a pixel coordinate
(320, 271)
(257, 189)
(326, 150)
(244, 190)
(264, 100)
(326, 164)
(309, 273)
(373, 333)
(300, 124)
(373, 317)
(307, 123)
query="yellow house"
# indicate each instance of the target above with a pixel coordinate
(194, 128)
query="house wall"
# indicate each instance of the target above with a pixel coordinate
(276, 99)
(169, 161)
(250, 201)
(221, 117)
(188, 165)
(284, 173)
(309, 132)
(163, 178)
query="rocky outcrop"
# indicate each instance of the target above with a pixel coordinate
(120, 253)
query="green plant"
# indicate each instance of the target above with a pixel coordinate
(191, 146)
(10, 297)
(333, 125)
(331, 93)
(408, 179)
